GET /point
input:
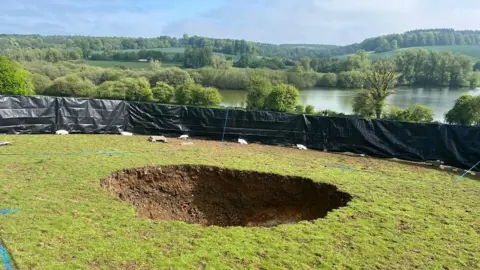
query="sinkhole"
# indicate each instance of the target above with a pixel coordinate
(218, 196)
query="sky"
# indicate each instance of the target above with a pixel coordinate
(338, 22)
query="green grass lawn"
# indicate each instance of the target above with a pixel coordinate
(126, 64)
(402, 216)
(471, 51)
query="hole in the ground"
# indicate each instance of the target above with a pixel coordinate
(223, 197)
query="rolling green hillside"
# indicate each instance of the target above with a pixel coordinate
(125, 64)
(172, 51)
(471, 51)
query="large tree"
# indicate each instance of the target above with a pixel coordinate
(71, 85)
(259, 87)
(220, 62)
(363, 104)
(417, 113)
(195, 57)
(14, 80)
(163, 92)
(136, 89)
(465, 112)
(357, 61)
(380, 78)
(110, 90)
(206, 96)
(184, 93)
(282, 98)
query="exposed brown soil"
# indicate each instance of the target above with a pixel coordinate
(223, 197)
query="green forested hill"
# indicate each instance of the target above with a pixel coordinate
(468, 50)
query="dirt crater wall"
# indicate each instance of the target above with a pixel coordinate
(223, 197)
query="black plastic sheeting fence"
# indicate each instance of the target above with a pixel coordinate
(37, 115)
(457, 146)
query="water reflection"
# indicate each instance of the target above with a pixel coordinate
(439, 99)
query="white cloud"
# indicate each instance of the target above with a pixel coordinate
(369, 6)
(277, 21)
(328, 21)
(88, 17)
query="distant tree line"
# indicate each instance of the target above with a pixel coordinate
(89, 45)
(417, 67)
(432, 37)
(131, 56)
(47, 54)
(416, 38)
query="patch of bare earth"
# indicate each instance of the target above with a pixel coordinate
(218, 196)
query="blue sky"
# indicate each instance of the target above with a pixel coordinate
(274, 21)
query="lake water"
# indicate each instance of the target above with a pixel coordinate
(439, 99)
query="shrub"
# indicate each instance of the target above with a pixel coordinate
(71, 86)
(197, 77)
(282, 98)
(309, 109)
(184, 92)
(351, 79)
(363, 104)
(94, 76)
(110, 90)
(328, 80)
(466, 111)
(172, 76)
(474, 79)
(232, 78)
(303, 80)
(220, 62)
(112, 74)
(419, 114)
(206, 96)
(394, 113)
(41, 83)
(163, 92)
(14, 80)
(195, 94)
(416, 113)
(135, 89)
(259, 88)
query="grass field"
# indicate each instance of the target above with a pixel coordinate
(165, 50)
(126, 64)
(402, 216)
(471, 51)
(140, 65)
(172, 51)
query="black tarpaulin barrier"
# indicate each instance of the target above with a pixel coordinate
(254, 126)
(266, 127)
(27, 115)
(385, 139)
(91, 115)
(153, 119)
(458, 146)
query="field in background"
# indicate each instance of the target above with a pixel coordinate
(471, 51)
(172, 51)
(402, 216)
(126, 64)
